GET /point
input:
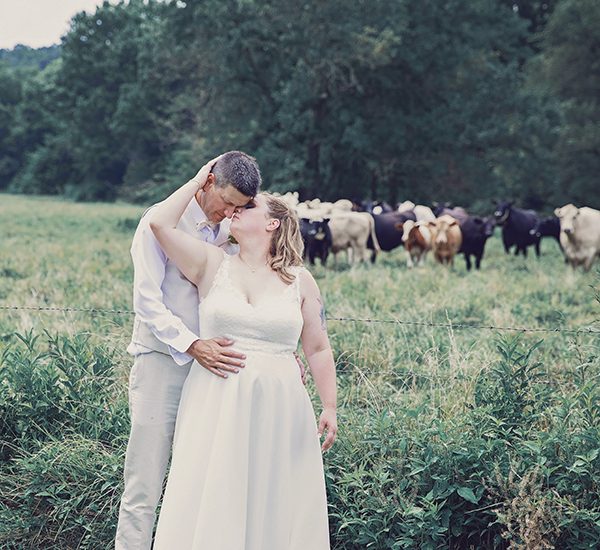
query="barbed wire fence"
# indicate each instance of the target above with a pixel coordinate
(406, 378)
(397, 321)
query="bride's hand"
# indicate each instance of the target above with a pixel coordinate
(328, 421)
(202, 175)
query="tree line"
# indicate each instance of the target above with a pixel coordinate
(461, 100)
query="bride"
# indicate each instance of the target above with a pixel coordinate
(247, 471)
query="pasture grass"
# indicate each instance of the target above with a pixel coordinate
(428, 414)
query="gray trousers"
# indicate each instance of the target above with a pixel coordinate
(155, 385)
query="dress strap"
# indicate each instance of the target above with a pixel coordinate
(296, 283)
(221, 275)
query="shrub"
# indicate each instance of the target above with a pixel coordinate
(57, 384)
(517, 466)
(61, 493)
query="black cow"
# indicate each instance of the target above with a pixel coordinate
(475, 232)
(548, 227)
(317, 239)
(388, 230)
(457, 212)
(441, 208)
(516, 226)
(379, 207)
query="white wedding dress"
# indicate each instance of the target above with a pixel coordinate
(247, 472)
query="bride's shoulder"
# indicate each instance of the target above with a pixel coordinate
(215, 261)
(216, 255)
(306, 281)
(301, 272)
(215, 258)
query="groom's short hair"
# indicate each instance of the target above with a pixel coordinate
(239, 170)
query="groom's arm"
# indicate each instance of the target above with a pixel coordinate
(149, 272)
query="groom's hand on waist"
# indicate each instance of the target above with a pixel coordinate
(216, 356)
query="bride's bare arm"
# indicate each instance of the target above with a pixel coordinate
(189, 255)
(317, 350)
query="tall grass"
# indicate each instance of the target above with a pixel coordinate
(449, 437)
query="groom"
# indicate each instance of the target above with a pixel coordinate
(165, 341)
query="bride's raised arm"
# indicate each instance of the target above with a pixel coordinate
(189, 255)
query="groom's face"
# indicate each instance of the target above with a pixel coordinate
(220, 202)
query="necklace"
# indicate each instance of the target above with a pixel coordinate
(252, 269)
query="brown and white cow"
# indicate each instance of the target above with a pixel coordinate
(417, 241)
(350, 231)
(446, 238)
(579, 234)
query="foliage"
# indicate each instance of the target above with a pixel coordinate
(568, 71)
(47, 391)
(23, 57)
(63, 493)
(387, 105)
(63, 424)
(448, 438)
(455, 100)
(397, 478)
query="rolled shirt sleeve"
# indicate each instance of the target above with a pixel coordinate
(149, 262)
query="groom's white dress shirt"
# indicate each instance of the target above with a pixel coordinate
(164, 301)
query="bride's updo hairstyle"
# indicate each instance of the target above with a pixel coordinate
(287, 246)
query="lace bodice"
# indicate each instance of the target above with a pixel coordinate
(271, 326)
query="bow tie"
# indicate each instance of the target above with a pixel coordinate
(201, 225)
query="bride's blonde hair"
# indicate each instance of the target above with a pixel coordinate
(287, 246)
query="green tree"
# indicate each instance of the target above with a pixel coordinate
(111, 132)
(392, 99)
(570, 70)
(432, 100)
(10, 97)
(25, 57)
(38, 135)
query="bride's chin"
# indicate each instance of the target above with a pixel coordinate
(232, 229)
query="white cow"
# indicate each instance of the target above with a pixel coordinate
(317, 210)
(579, 234)
(313, 214)
(422, 213)
(343, 205)
(290, 198)
(313, 203)
(405, 206)
(350, 231)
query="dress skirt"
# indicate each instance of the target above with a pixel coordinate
(247, 471)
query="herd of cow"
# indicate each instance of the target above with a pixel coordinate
(364, 228)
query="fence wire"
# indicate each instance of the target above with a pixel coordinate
(447, 325)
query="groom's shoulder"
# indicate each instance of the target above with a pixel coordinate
(147, 210)
(143, 226)
(144, 217)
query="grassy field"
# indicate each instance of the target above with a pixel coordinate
(449, 437)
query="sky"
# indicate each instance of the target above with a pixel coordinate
(38, 23)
